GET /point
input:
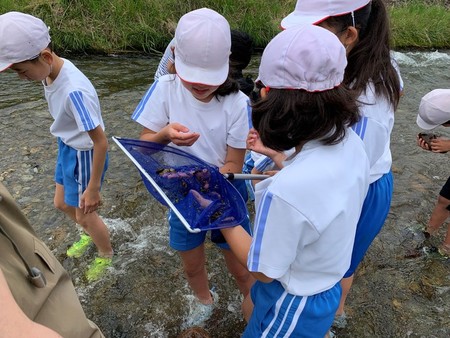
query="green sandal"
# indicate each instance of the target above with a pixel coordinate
(98, 268)
(77, 249)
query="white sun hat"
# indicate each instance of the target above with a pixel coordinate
(434, 109)
(23, 37)
(203, 47)
(311, 12)
(304, 57)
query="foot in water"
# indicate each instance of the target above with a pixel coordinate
(340, 321)
(98, 268)
(198, 312)
(77, 249)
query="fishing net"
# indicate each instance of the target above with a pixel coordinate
(195, 190)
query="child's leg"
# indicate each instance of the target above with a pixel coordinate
(61, 205)
(195, 270)
(240, 273)
(97, 229)
(247, 307)
(346, 284)
(447, 237)
(438, 216)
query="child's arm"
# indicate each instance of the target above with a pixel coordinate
(233, 161)
(173, 132)
(239, 241)
(91, 199)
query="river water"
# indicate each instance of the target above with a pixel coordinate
(402, 288)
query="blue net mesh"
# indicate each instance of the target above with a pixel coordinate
(203, 196)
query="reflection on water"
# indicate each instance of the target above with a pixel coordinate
(400, 290)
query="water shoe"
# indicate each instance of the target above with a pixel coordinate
(200, 313)
(340, 321)
(77, 249)
(98, 268)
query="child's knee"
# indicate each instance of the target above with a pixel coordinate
(60, 205)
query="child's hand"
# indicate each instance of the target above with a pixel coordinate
(180, 135)
(254, 143)
(423, 140)
(440, 145)
(90, 201)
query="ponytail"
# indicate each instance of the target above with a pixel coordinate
(370, 59)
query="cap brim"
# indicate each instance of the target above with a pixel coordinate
(297, 19)
(424, 125)
(4, 66)
(200, 75)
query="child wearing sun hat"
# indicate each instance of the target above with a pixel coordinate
(306, 214)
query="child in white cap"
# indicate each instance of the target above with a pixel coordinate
(434, 111)
(201, 110)
(82, 144)
(306, 214)
(362, 26)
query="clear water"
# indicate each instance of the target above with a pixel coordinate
(402, 286)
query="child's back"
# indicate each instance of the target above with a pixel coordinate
(315, 216)
(306, 214)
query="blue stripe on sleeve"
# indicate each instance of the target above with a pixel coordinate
(83, 112)
(140, 108)
(249, 114)
(260, 226)
(360, 127)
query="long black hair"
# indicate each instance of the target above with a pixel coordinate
(370, 58)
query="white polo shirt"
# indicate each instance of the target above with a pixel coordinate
(221, 122)
(306, 216)
(74, 105)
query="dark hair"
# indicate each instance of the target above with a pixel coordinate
(228, 87)
(241, 49)
(241, 54)
(370, 59)
(285, 118)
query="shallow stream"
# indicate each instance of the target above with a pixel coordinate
(402, 288)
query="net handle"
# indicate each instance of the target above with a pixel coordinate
(156, 186)
(232, 176)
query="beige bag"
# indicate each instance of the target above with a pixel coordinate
(56, 305)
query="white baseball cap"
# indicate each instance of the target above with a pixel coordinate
(304, 57)
(312, 12)
(203, 47)
(23, 37)
(434, 109)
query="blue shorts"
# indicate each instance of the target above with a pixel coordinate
(373, 215)
(73, 171)
(279, 314)
(182, 240)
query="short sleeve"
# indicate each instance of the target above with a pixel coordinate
(85, 110)
(280, 232)
(151, 111)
